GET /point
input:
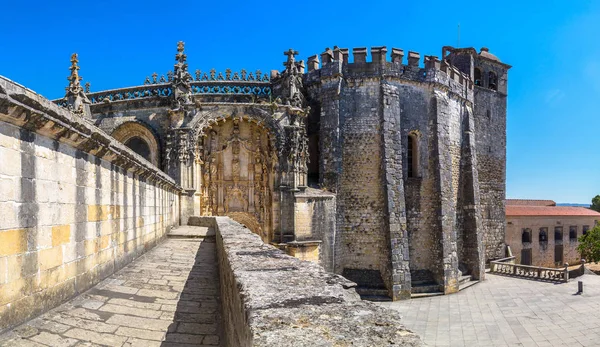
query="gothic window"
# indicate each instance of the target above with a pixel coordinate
(492, 81)
(558, 234)
(543, 235)
(139, 146)
(526, 235)
(573, 233)
(477, 78)
(412, 156)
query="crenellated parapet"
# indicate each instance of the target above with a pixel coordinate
(387, 64)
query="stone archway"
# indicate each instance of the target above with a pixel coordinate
(238, 173)
(138, 136)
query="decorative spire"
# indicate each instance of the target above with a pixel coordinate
(75, 95)
(181, 80)
(74, 79)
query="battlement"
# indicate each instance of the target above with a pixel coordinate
(427, 68)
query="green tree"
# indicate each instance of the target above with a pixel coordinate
(589, 245)
(596, 203)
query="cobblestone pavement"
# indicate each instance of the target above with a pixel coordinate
(505, 311)
(167, 297)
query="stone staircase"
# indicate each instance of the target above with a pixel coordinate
(423, 284)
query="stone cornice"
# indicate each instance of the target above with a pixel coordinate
(24, 108)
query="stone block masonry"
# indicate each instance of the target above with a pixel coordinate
(272, 299)
(75, 205)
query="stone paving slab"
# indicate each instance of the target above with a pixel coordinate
(505, 311)
(167, 297)
(188, 231)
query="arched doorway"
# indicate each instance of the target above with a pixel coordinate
(238, 166)
(140, 139)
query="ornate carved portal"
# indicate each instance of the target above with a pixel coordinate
(238, 166)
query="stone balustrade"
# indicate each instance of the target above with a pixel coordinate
(506, 266)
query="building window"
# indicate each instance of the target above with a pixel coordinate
(558, 234)
(412, 156)
(139, 146)
(543, 235)
(526, 236)
(477, 79)
(573, 233)
(585, 229)
(492, 81)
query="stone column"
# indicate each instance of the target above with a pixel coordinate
(329, 144)
(399, 270)
(447, 206)
(473, 247)
(179, 163)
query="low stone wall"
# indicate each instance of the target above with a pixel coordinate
(75, 205)
(272, 299)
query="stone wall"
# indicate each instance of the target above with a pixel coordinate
(542, 253)
(490, 129)
(75, 205)
(272, 299)
(315, 227)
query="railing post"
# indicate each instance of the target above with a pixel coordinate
(582, 269)
(514, 269)
(566, 272)
(539, 272)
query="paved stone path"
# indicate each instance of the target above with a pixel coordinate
(505, 311)
(167, 297)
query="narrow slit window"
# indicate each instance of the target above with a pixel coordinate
(412, 156)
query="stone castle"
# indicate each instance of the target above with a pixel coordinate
(388, 173)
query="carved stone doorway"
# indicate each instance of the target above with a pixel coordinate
(238, 166)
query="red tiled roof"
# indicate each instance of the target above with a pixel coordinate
(549, 211)
(529, 202)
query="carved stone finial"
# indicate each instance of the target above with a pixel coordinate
(75, 94)
(155, 78)
(291, 57)
(74, 79)
(288, 85)
(182, 89)
(87, 87)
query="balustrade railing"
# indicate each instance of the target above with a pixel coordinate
(506, 266)
(139, 92)
(209, 87)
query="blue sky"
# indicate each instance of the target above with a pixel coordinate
(554, 85)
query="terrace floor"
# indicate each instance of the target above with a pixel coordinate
(506, 311)
(167, 297)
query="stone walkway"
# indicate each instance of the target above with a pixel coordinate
(167, 297)
(504, 311)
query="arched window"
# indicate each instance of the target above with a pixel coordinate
(526, 236)
(477, 78)
(139, 146)
(543, 235)
(412, 156)
(492, 81)
(140, 138)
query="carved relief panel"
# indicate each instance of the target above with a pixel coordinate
(238, 175)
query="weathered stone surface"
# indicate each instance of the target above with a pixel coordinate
(69, 219)
(272, 299)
